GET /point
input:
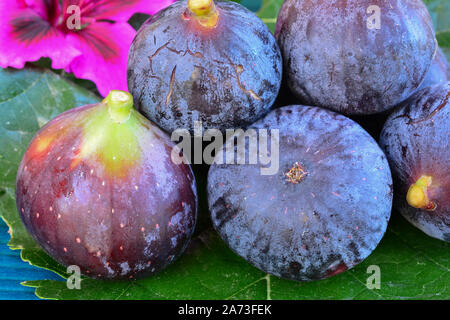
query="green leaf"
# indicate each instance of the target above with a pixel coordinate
(443, 38)
(29, 98)
(137, 20)
(269, 12)
(253, 5)
(412, 265)
(440, 14)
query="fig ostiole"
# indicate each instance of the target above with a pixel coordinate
(97, 188)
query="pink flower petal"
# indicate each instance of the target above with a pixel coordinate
(105, 53)
(117, 10)
(26, 36)
(48, 9)
(142, 6)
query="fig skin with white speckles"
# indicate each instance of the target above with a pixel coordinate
(416, 140)
(318, 223)
(106, 196)
(332, 59)
(226, 76)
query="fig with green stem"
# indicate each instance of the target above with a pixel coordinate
(97, 188)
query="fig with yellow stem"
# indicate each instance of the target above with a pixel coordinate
(97, 188)
(416, 138)
(204, 60)
(205, 12)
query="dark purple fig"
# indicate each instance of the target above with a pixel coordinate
(416, 140)
(439, 71)
(324, 210)
(97, 188)
(355, 56)
(203, 61)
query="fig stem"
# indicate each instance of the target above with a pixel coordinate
(205, 12)
(417, 195)
(119, 105)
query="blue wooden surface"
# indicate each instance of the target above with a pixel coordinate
(13, 270)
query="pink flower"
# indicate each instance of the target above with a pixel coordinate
(77, 35)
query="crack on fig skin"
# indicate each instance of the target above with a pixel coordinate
(150, 58)
(403, 116)
(237, 68)
(179, 52)
(432, 114)
(183, 53)
(172, 80)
